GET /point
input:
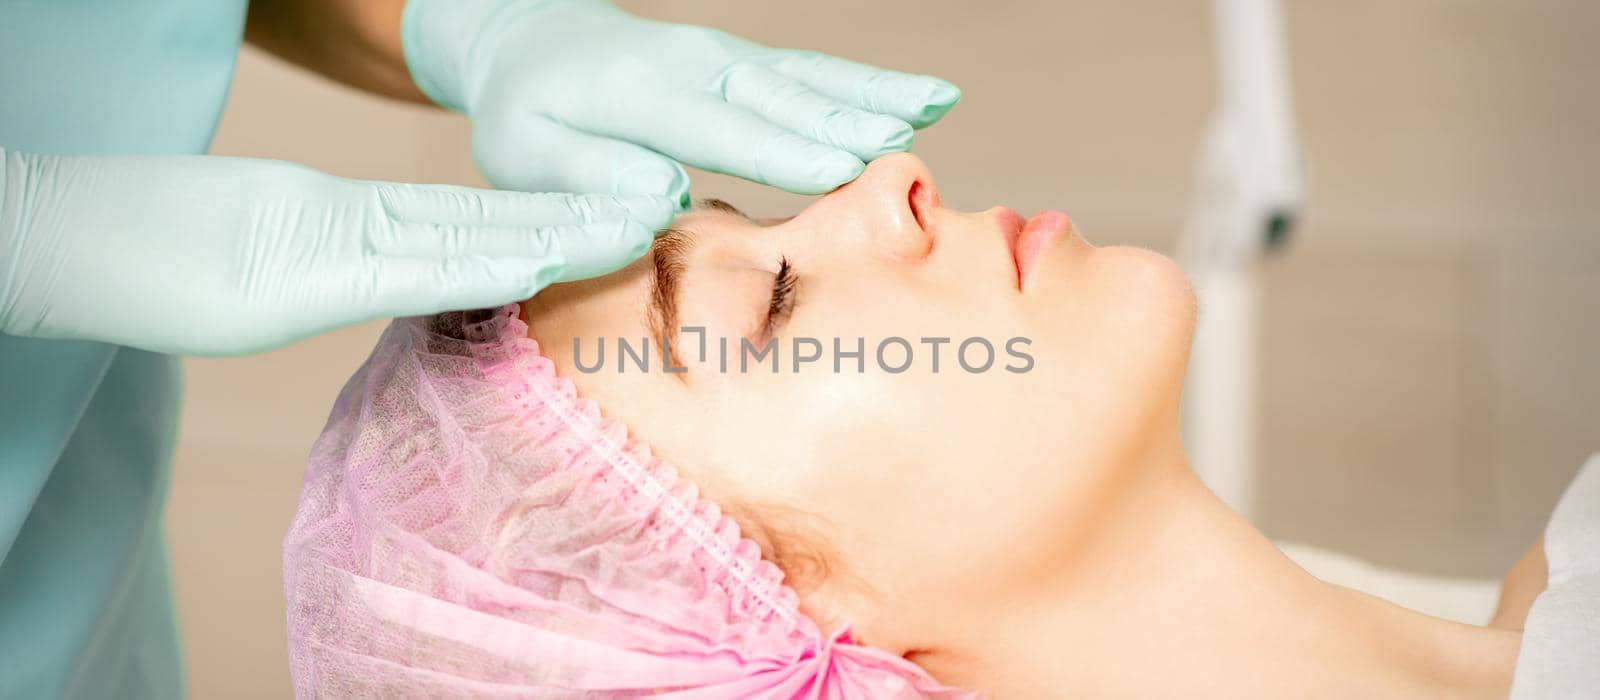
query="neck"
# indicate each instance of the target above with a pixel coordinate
(1176, 595)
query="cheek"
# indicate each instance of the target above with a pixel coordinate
(836, 435)
(930, 484)
(788, 436)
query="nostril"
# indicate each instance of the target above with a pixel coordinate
(922, 199)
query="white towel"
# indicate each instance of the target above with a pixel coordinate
(1560, 655)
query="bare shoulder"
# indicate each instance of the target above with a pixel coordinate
(1523, 583)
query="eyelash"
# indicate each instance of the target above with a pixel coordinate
(783, 293)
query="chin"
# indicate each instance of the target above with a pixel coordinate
(1156, 303)
(1151, 276)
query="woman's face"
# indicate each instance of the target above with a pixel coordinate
(929, 486)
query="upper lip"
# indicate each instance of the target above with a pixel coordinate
(1036, 234)
(1011, 225)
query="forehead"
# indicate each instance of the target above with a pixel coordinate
(708, 221)
(720, 212)
(620, 303)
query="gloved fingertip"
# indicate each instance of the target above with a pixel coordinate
(941, 97)
(889, 135)
(640, 239)
(660, 178)
(599, 249)
(549, 274)
(835, 169)
(944, 93)
(653, 212)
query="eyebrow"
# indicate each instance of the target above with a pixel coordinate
(720, 205)
(669, 254)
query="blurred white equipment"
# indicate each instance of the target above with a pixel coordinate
(1248, 196)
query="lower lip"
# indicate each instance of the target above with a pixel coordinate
(1037, 235)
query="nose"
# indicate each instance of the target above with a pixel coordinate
(891, 207)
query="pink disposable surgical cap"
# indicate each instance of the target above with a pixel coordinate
(470, 527)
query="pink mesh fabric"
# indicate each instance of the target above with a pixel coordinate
(470, 527)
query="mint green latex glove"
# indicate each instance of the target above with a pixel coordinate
(206, 255)
(577, 95)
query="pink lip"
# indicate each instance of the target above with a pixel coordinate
(1029, 239)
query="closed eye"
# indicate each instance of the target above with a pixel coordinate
(781, 306)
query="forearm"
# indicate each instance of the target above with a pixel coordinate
(356, 42)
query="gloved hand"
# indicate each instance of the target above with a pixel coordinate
(219, 256)
(577, 95)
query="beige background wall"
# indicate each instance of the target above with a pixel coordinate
(1430, 374)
